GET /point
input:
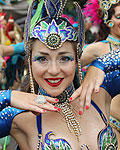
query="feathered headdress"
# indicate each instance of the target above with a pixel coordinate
(92, 7)
(47, 24)
(91, 10)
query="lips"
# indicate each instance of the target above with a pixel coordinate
(54, 81)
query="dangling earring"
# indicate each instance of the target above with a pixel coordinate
(110, 23)
(79, 63)
(30, 70)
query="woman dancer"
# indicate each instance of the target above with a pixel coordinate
(52, 69)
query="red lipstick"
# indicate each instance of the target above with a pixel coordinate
(54, 81)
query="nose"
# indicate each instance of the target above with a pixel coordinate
(53, 68)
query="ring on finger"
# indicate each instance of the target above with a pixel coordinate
(40, 99)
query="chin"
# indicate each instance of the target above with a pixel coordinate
(55, 92)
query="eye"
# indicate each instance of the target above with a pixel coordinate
(66, 58)
(41, 59)
(117, 17)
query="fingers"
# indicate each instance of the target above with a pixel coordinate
(97, 87)
(99, 82)
(41, 108)
(76, 94)
(88, 96)
(51, 100)
(82, 100)
(36, 110)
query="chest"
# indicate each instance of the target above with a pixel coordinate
(55, 129)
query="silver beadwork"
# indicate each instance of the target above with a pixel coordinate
(67, 113)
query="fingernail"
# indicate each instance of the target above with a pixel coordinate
(70, 99)
(44, 110)
(57, 100)
(87, 107)
(80, 112)
(55, 107)
(59, 109)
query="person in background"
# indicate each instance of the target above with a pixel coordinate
(108, 40)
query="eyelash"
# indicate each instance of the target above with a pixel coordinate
(40, 59)
(43, 59)
(66, 58)
(117, 17)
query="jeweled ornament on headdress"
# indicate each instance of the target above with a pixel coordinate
(105, 5)
(54, 35)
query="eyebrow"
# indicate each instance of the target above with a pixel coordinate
(65, 53)
(43, 53)
(61, 53)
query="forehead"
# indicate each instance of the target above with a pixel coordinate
(38, 46)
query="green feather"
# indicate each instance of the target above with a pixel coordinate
(52, 145)
(63, 25)
(37, 17)
(108, 137)
(67, 147)
(61, 146)
(46, 147)
(44, 25)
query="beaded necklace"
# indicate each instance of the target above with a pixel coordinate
(114, 41)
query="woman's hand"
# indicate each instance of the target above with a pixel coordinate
(91, 83)
(26, 101)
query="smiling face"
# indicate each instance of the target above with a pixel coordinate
(115, 30)
(53, 70)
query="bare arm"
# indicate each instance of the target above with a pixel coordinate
(92, 51)
(6, 50)
(12, 49)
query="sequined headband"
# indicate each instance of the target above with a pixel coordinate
(54, 35)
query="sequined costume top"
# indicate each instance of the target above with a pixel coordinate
(110, 64)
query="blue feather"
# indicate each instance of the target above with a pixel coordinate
(81, 28)
(53, 7)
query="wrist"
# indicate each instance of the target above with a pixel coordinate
(98, 64)
(18, 48)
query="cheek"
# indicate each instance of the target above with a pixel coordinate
(70, 70)
(37, 70)
(117, 22)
